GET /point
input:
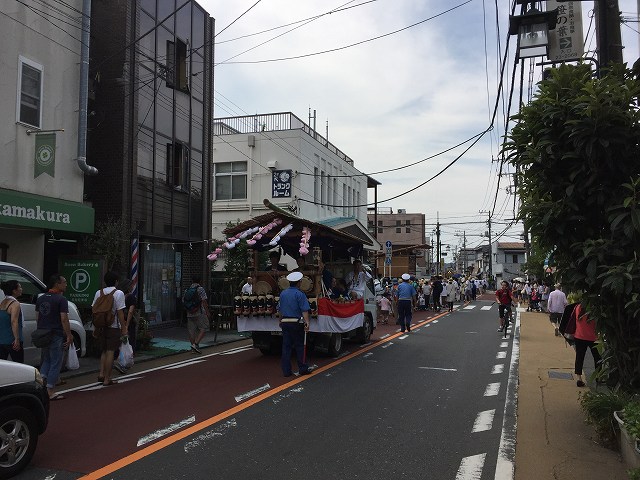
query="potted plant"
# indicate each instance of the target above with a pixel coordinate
(144, 335)
(599, 407)
(629, 422)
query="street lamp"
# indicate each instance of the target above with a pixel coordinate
(532, 29)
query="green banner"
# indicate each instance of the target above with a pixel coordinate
(84, 278)
(45, 158)
(28, 210)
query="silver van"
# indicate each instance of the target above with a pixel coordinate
(32, 287)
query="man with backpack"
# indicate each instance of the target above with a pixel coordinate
(109, 324)
(194, 301)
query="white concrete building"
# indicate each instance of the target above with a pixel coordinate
(280, 158)
(41, 186)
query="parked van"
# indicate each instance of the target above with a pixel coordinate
(32, 288)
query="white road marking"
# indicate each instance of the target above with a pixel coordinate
(238, 350)
(486, 307)
(505, 465)
(253, 393)
(99, 386)
(282, 396)
(497, 369)
(470, 332)
(384, 336)
(471, 467)
(437, 368)
(484, 421)
(365, 345)
(492, 390)
(402, 337)
(387, 345)
(368, 354)
(504, 345)
(501, 355)
(469, 307)
(218, 431)
(165, 431)
(435, 321)
(417, 330)
(428, 325)
(173, 367)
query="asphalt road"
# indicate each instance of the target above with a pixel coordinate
(429, 404)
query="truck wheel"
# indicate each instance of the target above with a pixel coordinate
(335, 344)
(363, 333)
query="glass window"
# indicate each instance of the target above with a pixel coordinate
(515, 258)
(408, 230)
(398, 230)
(230, 181)
(177, 65)
(379, 223)
(178, 166)
(316, 185)
(380, 230)
(397, 223)
(30, 288)
(29, 109)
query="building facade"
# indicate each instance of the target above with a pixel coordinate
(151, 104)
(508, 260)
(406, 232)
(280, 158)
(42, 210)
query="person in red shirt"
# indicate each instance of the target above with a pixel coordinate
(585, 338)
(504, 299)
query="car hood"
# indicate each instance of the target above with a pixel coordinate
(12, 373)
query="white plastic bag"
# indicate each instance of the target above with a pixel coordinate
(126, 355)
(72, 358)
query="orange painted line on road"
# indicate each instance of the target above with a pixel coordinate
(193, 429)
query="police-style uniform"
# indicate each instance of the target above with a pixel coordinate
(406, 294)
(291, 306)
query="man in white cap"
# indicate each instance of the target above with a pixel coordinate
(406, 302)
(294, 321)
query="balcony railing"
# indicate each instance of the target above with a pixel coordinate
(273, 122)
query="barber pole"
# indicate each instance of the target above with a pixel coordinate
(134, 262)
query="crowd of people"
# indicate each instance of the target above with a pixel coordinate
(434, 293)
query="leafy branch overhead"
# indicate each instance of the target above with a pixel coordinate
(577, 146)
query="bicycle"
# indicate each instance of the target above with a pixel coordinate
(508, 317)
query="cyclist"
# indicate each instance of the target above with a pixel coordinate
(504, 299)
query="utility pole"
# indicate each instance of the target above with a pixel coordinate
(438, 246)
(490, 247)
(607, 14)
(464, 249)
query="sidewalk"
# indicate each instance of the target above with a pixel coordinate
(553, 441)
(166, 341)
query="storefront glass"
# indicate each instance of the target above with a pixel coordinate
(159, 292)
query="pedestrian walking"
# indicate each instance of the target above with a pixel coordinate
(294, 322)
(195, 303)
(109, 336)
(452, 292)
(385, 307)
(52, 313)
(555, 305)
(406, 302)
(585, 338)
(437, 291)
(11, 340)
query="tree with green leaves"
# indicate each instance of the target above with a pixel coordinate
(577, 146)
(110, 240)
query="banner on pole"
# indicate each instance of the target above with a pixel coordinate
(45, 157)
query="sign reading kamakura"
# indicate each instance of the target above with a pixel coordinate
(84, 279)
(29, 210)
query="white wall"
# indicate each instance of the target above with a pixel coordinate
(26, 248)
(58, 54)
(291, 149)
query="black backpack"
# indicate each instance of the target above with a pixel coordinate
(191, 299)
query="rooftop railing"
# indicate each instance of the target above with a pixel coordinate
(273, 122)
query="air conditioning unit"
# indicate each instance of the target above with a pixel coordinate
(402, 210)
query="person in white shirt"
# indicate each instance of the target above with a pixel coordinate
(356, 280)
(555, 306)
(247, 288)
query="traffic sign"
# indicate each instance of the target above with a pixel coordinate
(388, 244)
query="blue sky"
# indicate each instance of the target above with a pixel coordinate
(392, 101)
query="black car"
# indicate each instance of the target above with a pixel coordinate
(24, 414)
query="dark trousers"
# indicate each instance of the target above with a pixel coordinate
(404, 314)
(292, 339)
(581, 351)
(436, 301)
(7, 351)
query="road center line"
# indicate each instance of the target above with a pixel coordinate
(252, 393)
(437, 368)
(387, 345)
(165, 431)
(501, 355)
(497, 369)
